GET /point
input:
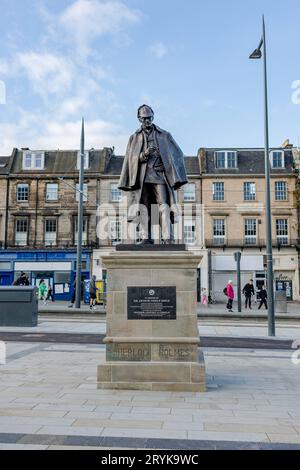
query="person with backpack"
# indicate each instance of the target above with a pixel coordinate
(248, 291)
(229, 292)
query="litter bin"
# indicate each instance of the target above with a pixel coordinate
(280, 301)
(18, 306)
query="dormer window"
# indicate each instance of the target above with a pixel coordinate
(33, 160)
(226, 159)
(86, 160)
(277, 159)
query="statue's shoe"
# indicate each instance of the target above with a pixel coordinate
(147, 241)
(169, 242)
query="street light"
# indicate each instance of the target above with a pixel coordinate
(257, 54)
(80, 220)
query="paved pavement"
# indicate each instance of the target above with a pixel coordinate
(48, 399)
(219, 327)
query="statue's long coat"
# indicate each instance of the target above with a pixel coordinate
(133, 171)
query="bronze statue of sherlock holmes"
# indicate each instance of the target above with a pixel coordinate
(153, 170)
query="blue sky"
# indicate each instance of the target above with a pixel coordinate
(101, 59)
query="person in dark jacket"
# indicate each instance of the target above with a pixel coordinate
(248, 291)
(50, 294)
(263, 295)
(22, 280)
(74, 294)
(93, 292)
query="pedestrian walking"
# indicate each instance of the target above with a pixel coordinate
(263, 295)
(248, 291)
(50, 294)
(74, 294)
(93, 293)
(204, 299)
(230, 295)
(42, 290)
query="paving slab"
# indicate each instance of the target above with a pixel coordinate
(70, 431)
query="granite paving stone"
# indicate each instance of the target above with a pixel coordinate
(70, 430)
(228, 436)
(30, 412)
(64, 407)
(284, 438)
(22, 447)
(19, 428)
(146, 410)
(131, 432)
(88, 414)
(248, 428)
(156, 416)
(110, 423)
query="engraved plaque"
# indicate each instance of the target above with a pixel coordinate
(176, 352)
(128, 352)
(151, 303)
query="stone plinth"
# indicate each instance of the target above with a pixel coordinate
(154, 353)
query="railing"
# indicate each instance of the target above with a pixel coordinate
(209, 243)
(241, 243)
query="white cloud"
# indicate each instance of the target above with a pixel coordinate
(159, 50)
(66, 135)
(86, 20)
(48, 73)
(39, 131)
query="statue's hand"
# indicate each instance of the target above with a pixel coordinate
(150, 151)
(143, 157)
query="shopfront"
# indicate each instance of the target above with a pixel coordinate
(57, 268)
(284, 282)
(224, 269)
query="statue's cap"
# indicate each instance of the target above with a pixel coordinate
(145, 111)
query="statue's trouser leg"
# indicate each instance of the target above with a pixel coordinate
(145, 212)
(161, 198)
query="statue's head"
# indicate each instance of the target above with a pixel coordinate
(145, 116)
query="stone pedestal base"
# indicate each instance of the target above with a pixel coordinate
(156, 347)
(158, 376)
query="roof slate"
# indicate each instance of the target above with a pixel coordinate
(62, 162)
(4, 165)
(250, 161)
